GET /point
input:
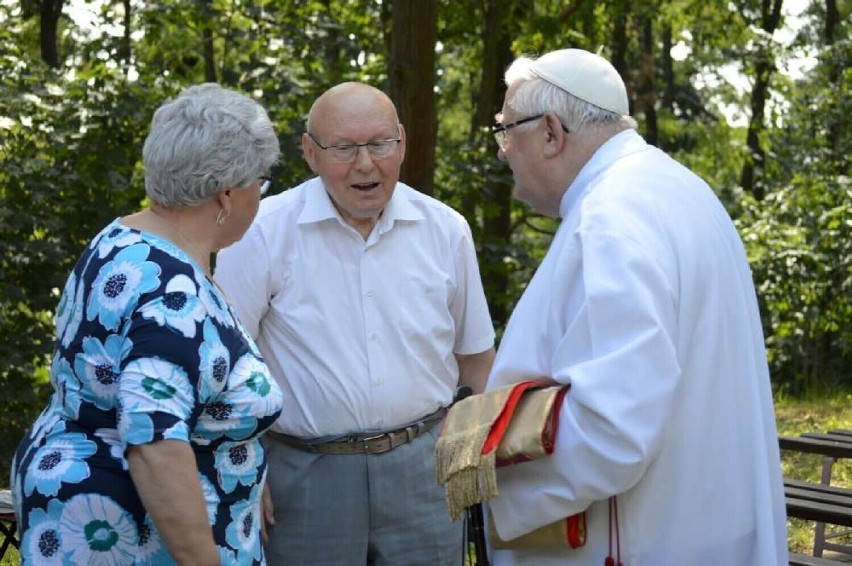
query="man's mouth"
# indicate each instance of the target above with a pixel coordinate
(364, 186)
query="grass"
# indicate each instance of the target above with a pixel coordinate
(793, 416)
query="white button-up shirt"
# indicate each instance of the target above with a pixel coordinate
(645, 304)
(360, 334)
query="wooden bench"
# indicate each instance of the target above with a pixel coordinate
(8, 524)
(805, 560)
(822, 503)
(817, 502)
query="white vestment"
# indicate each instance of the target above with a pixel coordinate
(645, 304)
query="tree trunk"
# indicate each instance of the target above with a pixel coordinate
(832, 20)
(126, 41)
(209, 55)
(667, 65)
(620, 41)
(751, 178)
(502, 23)
(50, 12)
(647, 96)
(414, 32)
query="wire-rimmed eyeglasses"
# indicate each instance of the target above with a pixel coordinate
(500, 131)
(265, 184)
(348, 152)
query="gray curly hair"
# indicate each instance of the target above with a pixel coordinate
(207, 139)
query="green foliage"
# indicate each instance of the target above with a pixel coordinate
(70, 143)
(798, 236)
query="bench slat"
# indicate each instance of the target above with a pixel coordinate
(834, 448)
(830, 437)
(844, 500)
(803, 560)
(817, 511)
(833, 489)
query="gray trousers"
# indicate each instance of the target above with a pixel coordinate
(378, 509)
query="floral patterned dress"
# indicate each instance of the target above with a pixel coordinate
(146, 349)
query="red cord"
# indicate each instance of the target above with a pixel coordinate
(613, 519)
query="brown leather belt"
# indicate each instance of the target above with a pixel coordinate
(367, 443)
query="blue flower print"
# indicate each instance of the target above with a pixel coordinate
(249, 340)
(215, 304)
(61, 460)
(114, 235)
(238, 462)
(111, 438)
(243, 531)
(119, 284)
(95, 525)
(221, 418)
(64, 308)
(150, 549)
(135, 428)
(226, 556)
(71, 313)
(99, 366)
(47, 421)
(43, 540)
(215, 363)
(152, 385)
(18, 490)
(52, 414)
(179, 308)
(67, 387)
(261, 391)
(211, 497)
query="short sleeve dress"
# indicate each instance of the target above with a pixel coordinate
(147, 349)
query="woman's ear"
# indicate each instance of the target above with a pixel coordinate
(223, 197)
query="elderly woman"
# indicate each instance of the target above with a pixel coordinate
(148, 452)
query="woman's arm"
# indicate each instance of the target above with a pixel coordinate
(166, 476)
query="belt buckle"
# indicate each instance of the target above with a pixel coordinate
(365, 443)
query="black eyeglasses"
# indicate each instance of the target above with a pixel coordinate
(501, 130)
(348, 152)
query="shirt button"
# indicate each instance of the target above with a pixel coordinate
(374, 337)
(370, 293)
(378, 382)
(380, 421)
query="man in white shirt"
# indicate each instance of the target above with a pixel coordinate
(365, 299)
(645, 305)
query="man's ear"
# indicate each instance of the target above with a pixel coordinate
(555, 136)
(309, 149)
(401, 143)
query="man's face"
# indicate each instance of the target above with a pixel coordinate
(361, 188)
(520, 152)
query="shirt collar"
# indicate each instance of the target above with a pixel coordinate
(319, 207)
(620, 145)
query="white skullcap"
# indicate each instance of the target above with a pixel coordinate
(587, 76)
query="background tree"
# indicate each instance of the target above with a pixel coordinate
(75, 104)
(412, 83)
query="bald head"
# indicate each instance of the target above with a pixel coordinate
(356, 144)
(349, 102)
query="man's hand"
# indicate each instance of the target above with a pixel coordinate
(267, 514)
